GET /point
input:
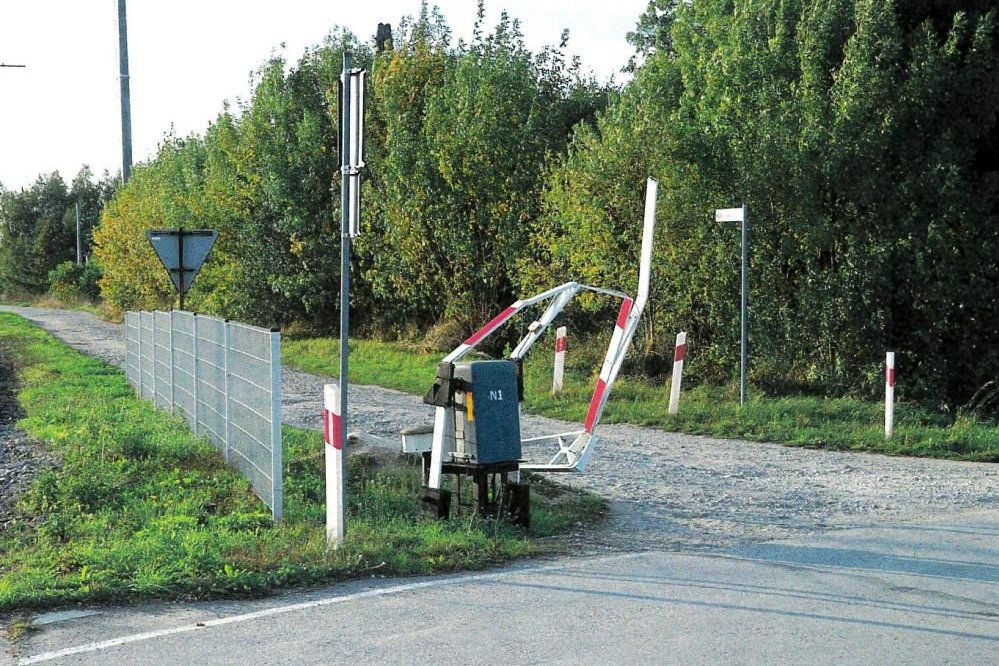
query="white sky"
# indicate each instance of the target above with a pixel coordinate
(187, 56)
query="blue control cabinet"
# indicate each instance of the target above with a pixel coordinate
(487, 413)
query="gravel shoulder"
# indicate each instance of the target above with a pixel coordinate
(21, 458)
(667, 490)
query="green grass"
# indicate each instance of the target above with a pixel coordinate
(832, 423)
(140, 509)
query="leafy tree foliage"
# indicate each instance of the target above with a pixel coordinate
(263, 179)
(860, 135)
(467, 133)
(165, 193)
(38, 227)
(652, 35)
(70, 280)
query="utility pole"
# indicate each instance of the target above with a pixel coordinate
(126, 103)
(741, 215)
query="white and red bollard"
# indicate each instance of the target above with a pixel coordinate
(336, 491)
(889, 394)
(679, 353)
(561, 344)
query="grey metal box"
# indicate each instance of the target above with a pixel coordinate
(487, 414)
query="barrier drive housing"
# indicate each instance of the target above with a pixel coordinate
(224, 378)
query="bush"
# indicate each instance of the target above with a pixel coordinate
(69, 281)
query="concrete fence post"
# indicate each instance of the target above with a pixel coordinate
(226, 390)
(196, 376)
(277, 484)
(138, 342)
(156, 368)
(173, 359)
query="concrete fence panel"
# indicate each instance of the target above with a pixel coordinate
(224, 378)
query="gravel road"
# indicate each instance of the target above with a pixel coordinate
(667, 490)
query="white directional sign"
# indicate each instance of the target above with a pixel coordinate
(182, 252)
(729, 214)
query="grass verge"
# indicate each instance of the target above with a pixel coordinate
(55, 303)
(831, 423)
(140, 509)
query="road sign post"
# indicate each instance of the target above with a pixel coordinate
(182, 252)
(351, 161)
(741, 215)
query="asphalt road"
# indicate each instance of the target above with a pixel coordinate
(911, 593)
(718, 552)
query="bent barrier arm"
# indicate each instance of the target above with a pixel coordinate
(573, 448)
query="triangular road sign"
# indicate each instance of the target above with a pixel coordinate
(182, 251)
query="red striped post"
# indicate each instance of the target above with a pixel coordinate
(561, 344)
(889, 394)
(336, 492)
(679, 354)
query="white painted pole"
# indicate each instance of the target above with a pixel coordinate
(889, 394)
(336, 493)
(679, 354)
(561, 343)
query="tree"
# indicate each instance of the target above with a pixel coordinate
(467, 133)
(34, 236)
(861, 137)
(652, 34)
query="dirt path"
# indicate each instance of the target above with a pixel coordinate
(667, 490)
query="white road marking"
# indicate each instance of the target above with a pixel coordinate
(328, 601)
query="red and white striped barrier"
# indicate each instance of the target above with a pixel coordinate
(561, 344)
(679, 354)
(336, 478)
(599, 398)
(889, 394)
